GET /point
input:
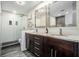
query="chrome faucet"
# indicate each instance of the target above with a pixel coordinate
(61, 31)
(46, 30)
(36, 30)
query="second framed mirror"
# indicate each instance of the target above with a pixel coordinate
(40, 17)
(62, 14)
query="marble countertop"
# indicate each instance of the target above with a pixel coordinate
(73, 38)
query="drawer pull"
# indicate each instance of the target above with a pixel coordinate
(37, 38)
(51, 52)
(36, 54)
(36, 48)
(37, 43)
(55, 53)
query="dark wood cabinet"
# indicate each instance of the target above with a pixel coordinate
(61, 48)
(36, 44)
(43, 46)
(56, 52)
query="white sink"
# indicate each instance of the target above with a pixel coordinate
(74, 38)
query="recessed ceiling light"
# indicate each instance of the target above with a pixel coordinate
(20, 2)
(59, 15)
(67, 12)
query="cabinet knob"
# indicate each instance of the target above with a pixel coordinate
(55, 53)
(51, 52)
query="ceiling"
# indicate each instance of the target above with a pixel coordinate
(13, 6)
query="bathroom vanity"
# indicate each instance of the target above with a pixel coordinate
(47, 45)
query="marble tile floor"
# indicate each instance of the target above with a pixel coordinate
(15, 51)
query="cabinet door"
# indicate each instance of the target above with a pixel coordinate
(31, 46)
(60, 52)
(53, 52)
(46, 47)
(31, 43)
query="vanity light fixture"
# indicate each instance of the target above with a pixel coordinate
(20, 3)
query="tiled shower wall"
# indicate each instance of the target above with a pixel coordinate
(11, 32)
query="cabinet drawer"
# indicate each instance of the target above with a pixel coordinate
(37, 41)
(37, 37)
(37, 45)
(36, 51)
(36, 48)
(37, 54)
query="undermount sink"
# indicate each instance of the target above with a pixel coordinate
(67, 37)
(58, 35)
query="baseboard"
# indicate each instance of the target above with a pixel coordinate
(9, 43)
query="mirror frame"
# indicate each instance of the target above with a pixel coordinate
(72, 25)
(36, 12)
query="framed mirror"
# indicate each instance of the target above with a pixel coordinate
(62, 14)
(40, 17)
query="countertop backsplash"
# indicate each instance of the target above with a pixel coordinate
(56, 30)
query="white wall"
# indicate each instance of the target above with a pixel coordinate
(77, 13)
(0, 6)
(11, 32)
(8, 31)
(0, 28)
(69, 17)
(0, 22)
